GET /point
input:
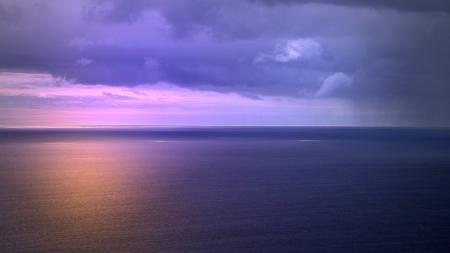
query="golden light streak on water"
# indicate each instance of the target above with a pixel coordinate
(81, 197)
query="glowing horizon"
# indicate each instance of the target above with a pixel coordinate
(42, 100)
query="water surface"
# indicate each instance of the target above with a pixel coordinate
(225, 190)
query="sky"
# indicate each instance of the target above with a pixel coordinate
(234, 62)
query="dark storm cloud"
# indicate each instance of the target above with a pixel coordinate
(9, 14)
(186, 12)
(396, 53)
(408, 5)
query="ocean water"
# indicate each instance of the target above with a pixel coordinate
(266, 189)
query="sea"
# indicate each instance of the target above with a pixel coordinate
(225, 189)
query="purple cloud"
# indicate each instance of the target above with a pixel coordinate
(256, 48)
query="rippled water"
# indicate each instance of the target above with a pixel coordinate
(225, 190)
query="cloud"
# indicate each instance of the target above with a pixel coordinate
(213, 45)
(333, 83)
(291, 50)
(9, 14)
(30, 102)
(81, 43)
(25, 80)
(151, 64)
(410, 5)
(84, 61)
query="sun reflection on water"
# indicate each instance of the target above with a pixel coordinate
(82, 195)
(93, 195)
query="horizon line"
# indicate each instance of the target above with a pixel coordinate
(212, 126)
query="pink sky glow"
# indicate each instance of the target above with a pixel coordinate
(41, 100)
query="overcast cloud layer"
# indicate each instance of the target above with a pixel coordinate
(390, 60)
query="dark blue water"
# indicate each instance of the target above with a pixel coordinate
(225, 190)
